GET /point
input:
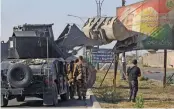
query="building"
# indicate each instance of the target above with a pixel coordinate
(157, 59)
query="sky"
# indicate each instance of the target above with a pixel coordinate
(18, 12)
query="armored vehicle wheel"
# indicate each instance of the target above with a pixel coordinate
(65, 96)
(4, 101)
(20, 98)
(19, 75)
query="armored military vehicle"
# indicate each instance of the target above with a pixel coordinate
(33, 66)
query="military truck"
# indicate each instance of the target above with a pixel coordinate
(34, 67)
(42, 78)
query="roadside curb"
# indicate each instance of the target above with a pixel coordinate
(155, 80)
(93, 101)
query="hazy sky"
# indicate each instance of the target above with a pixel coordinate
(18, 12)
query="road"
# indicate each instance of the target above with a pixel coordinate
(35, 102)
(157, 73)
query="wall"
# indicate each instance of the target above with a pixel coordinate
(157, 59)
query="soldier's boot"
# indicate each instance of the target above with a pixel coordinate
(84, 94)
(134, 97)
(129, 99)
(84, 97)
(130, 96)
(133, 100)
(79, 98)
(72, 97)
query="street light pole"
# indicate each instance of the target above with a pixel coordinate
(84, 49)
(99, 5)
(77, 17)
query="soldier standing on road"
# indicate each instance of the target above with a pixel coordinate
(82, 78)
(75, 73)
(133, 73)
(70, 79)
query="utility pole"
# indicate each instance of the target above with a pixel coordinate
(99, 6)
(123, 2)
(123, 54)
(116, 60)
(165, 68)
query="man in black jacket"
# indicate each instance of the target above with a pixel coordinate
(133, 73)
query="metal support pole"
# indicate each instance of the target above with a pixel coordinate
(136, 55)
(123, 54)
(86, 54)
(116, 59)
(106, 72)
(98, 63)
(47, 59)
(165, 68)
(123, 65)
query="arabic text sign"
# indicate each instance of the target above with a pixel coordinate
(102, 56)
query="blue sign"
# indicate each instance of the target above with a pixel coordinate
(102, 55)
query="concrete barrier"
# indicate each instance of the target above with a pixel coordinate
(93, 100)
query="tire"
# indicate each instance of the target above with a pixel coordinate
(19, 75)
(4, 101)
(65, 96)
(20, 98)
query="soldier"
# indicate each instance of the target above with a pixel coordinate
(75, 70)
(71, 79)
(133, 73)
(82, 78)
(75, 73)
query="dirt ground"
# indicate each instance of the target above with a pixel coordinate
(153, 93)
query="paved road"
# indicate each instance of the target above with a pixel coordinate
(156, 73)
(35, 102)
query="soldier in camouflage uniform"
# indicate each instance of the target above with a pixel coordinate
(75, 73)
(82, 78)
(70, 79)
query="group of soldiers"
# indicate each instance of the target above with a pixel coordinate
(77, 78)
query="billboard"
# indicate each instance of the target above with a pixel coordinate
(102, 55)
(153, 20)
